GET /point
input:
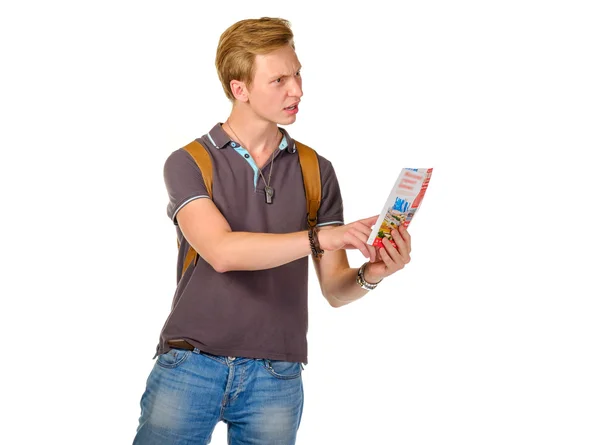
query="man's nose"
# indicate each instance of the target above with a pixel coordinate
(296, 88)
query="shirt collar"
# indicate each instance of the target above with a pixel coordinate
(220, 139)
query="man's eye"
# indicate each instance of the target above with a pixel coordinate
(278, 80)
(298, 73)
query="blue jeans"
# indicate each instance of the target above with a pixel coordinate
(189, 392)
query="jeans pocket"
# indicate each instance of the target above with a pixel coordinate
(282, 370)
(173, 358)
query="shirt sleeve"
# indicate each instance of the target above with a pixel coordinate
(331, 210)
(183, 180)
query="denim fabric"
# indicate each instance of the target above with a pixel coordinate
(189, 392)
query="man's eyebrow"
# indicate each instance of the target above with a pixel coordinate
(277, 76)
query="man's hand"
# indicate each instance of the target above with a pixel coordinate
(350, 236)
(391, 259)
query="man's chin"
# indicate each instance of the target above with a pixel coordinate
(286, 120)
(279, 119)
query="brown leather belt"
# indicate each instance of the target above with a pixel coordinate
(181, 344)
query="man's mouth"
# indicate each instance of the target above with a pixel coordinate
(292, 107)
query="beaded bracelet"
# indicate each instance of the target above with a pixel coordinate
(315, 247)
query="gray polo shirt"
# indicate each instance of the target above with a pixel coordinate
(256, 314)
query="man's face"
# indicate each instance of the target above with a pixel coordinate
(277, 86)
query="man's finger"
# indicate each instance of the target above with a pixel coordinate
(406, 236)
(385, 257)
(403, 248)
(356, 242)
(363, 228)
(372, 252)
(370, 221)
(391, 250)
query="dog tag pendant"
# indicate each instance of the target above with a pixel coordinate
(269, 194)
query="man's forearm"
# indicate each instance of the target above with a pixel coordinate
(344, 289)
(257, 251)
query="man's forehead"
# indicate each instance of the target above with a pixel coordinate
(281, 61)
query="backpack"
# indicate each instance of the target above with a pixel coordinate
(311, 175)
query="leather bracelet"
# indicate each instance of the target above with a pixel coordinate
(316, 239)
(315, 247)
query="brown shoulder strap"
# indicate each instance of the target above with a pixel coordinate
(202, 158)
(311, 174)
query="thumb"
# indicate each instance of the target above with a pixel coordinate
(371, 220)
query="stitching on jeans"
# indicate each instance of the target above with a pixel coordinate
(271, 371)
(179, 362)
(239, 388)
(230, 379)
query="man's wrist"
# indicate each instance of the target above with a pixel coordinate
(362, 281)
(369, 277)
(315, 246)
(324, 238)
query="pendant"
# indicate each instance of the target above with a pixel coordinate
(269, 194)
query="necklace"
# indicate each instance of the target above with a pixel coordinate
(269, 191)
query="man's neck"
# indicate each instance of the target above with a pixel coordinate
(258, 136)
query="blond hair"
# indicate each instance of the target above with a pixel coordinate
(242, 41)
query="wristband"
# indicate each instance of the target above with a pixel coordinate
(315, 247)
(360, 279)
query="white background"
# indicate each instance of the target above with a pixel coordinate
(490, 335)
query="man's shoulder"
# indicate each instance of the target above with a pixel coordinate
(182, 154)
(324, 162)
(180, 159)
(207, 140)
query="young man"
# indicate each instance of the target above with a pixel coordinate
(234, 343)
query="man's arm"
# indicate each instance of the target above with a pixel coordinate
(209, 233)
(338, 280)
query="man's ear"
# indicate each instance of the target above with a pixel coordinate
(239, 90)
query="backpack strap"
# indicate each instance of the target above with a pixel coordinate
(202, 158)
(311, 175)
(309, 163)
(200, 155)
